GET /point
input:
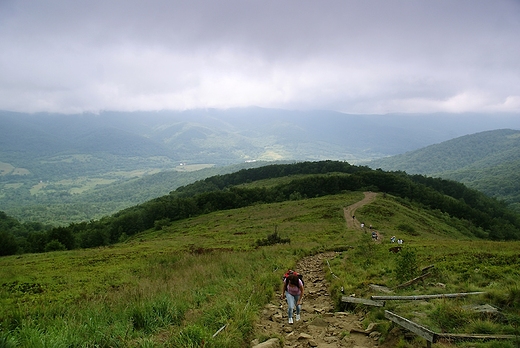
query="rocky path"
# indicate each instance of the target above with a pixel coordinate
(320, 326)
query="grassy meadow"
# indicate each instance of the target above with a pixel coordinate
(177, 286)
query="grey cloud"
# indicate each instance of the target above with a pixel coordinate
(353, 56)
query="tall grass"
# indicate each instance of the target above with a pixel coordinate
(171, 299)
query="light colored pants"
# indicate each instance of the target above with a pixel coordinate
(291, 303)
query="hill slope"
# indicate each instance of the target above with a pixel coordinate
(469, 211)
(487, 161)
(189, 283)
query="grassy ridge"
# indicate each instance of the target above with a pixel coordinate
(483, 217)
(177, 286)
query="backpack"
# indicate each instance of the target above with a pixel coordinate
(300, 276)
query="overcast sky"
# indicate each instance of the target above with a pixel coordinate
(350, 56)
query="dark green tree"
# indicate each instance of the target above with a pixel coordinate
(8, 244)
(54, 245)
(63, 235)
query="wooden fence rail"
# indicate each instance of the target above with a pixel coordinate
(432, 337)
(417, 329)
(424, 297)
(357, 300)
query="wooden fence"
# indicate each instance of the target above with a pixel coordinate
(432, 337)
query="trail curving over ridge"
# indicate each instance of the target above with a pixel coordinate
(350, 211)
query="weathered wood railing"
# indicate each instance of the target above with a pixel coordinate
(417, 329)
(432, 337)
(424, 297)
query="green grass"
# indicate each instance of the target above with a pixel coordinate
(272, 182)
(9, 169)
(177, 286)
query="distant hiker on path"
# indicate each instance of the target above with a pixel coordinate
(293, 292)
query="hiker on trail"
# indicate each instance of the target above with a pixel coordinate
(293, 292)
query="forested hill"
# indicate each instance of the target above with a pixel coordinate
(487, 161)
(472, 212)
(58, 169)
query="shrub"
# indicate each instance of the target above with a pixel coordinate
(366, 251)
(160, 224)
(406, 265)
(407, 229)
(54, 245)
(272, 239)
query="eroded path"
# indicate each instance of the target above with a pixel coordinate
(350, 211)
(320, 326)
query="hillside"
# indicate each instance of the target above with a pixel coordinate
(487, 161)
(472, 213)
(202, 280)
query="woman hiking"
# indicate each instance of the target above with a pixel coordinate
(293, 291)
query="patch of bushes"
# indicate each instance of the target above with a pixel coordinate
(406, 265)
(272, 239)
(407, 229)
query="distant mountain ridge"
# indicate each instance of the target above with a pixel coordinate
(487, 161)
(235, 135)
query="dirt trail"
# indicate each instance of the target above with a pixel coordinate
(350, 211)
(319, 326)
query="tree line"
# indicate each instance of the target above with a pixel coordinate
(487, 217)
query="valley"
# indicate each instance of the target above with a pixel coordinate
(91, 165)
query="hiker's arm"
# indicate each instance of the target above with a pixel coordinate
(283, 290)
(301, 296)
